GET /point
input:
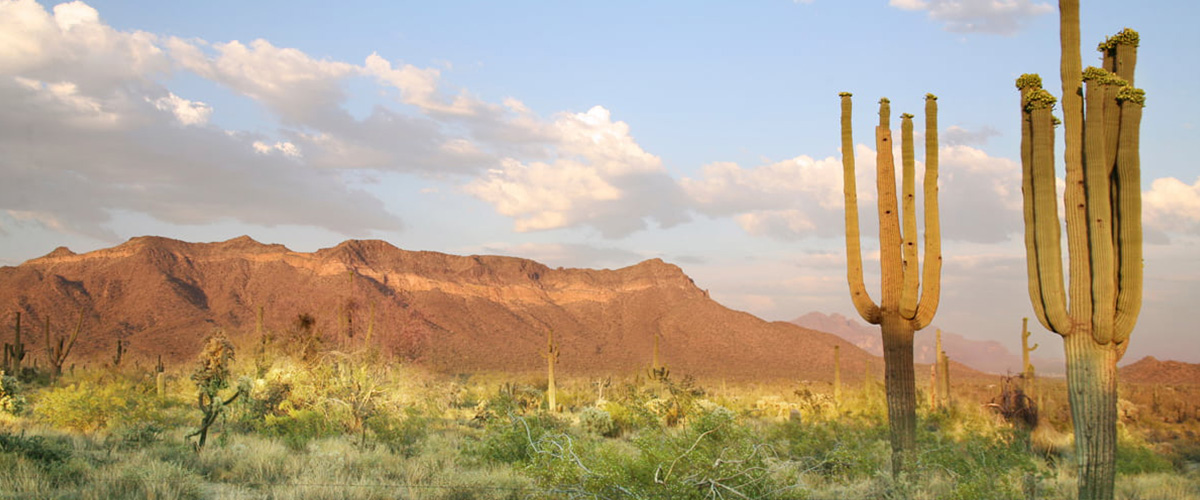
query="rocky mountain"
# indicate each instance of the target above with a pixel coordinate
(451, 313)
(986, 356)
(1149, 370)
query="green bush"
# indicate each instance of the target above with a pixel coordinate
(514, 441)
(11, 400)
(298, 427)
(89, 407)
(401, 435)
(598, 421)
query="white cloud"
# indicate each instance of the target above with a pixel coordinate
(299, 89)
(599, 177)
(419, 87)
(1172, 206)
(187, 112)
(997, 17)
(979, 195)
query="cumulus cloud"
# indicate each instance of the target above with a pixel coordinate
(68, 79)
(1172, 206)
(980, 198)
(997, 17)
(599, 177)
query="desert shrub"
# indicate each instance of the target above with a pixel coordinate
(598, 421)
(978, 465)
(714, 456)
(11, 400)
(264, 398)
(298, 427)
(849, 451)
(1135, 456)
(401, 434)
(512, 440)
(38, 461)
(90, 407)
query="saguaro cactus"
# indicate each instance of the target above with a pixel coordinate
(1027, 372)
(14, 353)
(551, 356)
(943, 373)
(901, 311)
(837, 374)
(1104, 231)
(57, 351)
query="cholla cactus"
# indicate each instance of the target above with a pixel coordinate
(211, 377)
(1101, 117)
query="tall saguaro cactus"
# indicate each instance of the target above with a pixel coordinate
(551, 356)
(909, 300)
(1103, 207)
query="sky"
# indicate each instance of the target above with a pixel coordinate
(577, 134)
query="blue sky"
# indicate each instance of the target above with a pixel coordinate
(577, 134)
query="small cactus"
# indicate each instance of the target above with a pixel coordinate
(551, 356)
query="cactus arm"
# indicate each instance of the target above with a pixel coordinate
(867, 309)
(1044, 246)
(71, 341)
(908, 209)
(890, 259)
(1099, 207)
(1129, 216)
(1075, 198)
(1027, 84)
(931, 281)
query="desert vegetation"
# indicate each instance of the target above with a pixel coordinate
(340, 421)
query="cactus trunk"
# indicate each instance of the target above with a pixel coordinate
(900, 380)
(1092, 384)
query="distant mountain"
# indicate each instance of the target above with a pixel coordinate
(454, 314)
(987, 356)
(1149, 370)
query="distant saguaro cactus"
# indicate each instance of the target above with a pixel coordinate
(1103, 207)
(943, 373)
(899, 313)
(551, 356)
(1027, 371)
(837, 374)
(14, 353)
(57, 352)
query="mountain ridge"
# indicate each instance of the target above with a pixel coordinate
(452, 313)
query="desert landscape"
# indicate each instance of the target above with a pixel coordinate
(924, 249)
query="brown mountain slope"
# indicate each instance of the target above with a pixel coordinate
(1149, 370)
(452, 313)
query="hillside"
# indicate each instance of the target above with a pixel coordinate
(451, 313)
(1149, 370)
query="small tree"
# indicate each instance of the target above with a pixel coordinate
(211, 377)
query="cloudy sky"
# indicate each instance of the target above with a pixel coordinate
(577, 134)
